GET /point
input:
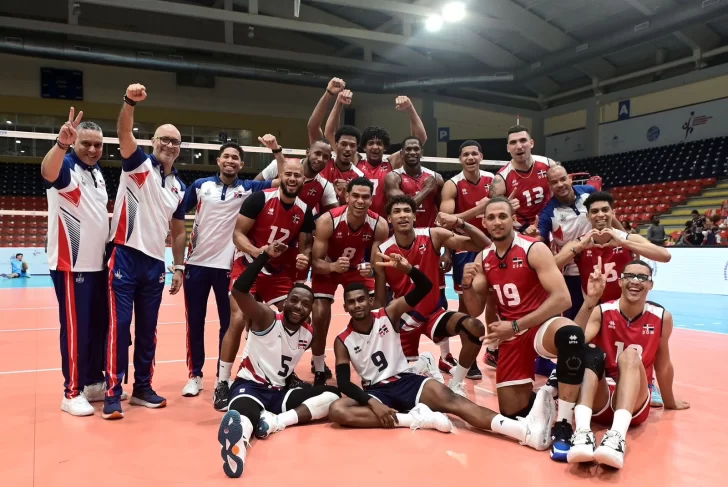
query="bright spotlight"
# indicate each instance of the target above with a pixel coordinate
(454, 11)
(433, 23)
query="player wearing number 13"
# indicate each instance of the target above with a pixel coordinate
(635, 334)
(614, 248)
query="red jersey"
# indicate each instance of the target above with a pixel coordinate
(331, 172)
(423, 255)
(532, 189)
(468, 194)
(614, 260)
(427, 212)
(515, 283)
(275, 220)
(317, 193)
(356, 245)
(617, 333)
(376, 175)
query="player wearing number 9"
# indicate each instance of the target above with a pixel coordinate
(260, 402)
(634, 335)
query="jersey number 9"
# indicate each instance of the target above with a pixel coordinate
(379, 360)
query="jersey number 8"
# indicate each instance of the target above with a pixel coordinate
(348, 253)
(510, 291)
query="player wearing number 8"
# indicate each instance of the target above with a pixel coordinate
(634, 333)
(613, 248)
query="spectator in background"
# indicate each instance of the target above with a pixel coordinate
(710, 232)
(698, 221)
(656, 232)
(693, 235)
(18, 268)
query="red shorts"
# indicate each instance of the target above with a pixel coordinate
(606, 415)
(267, 289)
(516, 357)
(410, 336)
(324, 285)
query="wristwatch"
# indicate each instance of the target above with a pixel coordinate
(516, 329)
(179, 268)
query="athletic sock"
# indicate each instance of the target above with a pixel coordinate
(621, 421)
(419, 365)
(566, 411)
(582, 417)
(289, 417)
(247, 428)
(458, 374)
(318, 363)
(508, 427)
(444, 348)
(404, 420)
(224, 371)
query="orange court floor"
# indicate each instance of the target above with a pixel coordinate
(176, 446)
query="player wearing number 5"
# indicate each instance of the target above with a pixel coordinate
(635, 334)
(614, 247)
(341, 254)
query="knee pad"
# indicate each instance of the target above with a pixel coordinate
(459, 327)
(595, 360)
(319, 405)
(523, 412)
(569, 341)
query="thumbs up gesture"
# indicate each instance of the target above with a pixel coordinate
(532, 230)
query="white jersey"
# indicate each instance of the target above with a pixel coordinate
(377, 356)
(145, 203)
(78, 222)
(271, 355)
(217, 206)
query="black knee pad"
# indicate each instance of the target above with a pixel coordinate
(248, 408)
(523, 412)
(569, 342)
(595, 360)
(459, 327)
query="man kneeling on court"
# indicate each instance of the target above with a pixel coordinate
(259, 398)
(633, 334)
(394, 395)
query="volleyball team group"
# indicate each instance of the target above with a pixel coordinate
(548, 283)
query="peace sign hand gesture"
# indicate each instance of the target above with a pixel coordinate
(597, 282)
(67, 134)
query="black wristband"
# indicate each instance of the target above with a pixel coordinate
(129, 101)
(329, 92)
(277, 151)
(516, 329)
(343, 381)
(59, 144)
(423, 285)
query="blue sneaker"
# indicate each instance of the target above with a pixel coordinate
(147, 398)
(544, 366)
(656, 397)
(561, 435)
(112, 408)
(230, 436)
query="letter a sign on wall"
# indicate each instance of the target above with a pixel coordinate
(624, 110)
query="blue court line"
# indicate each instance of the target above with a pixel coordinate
(690, 311)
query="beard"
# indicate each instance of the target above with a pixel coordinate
(289, 194)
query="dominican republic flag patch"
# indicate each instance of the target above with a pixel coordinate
(517, 262)
(648, 330)
(303, 344)
(383, 330)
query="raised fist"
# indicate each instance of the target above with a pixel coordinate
(269, 141)
(403, 103)
(345, 97)
(136, 92)
(336, 85)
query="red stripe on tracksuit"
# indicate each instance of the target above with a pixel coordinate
(113, 331)
(71, 336)
(188, 338)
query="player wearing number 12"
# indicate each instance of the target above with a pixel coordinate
(635, 335)
(614, 248)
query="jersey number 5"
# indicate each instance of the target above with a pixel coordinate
(620, 348)
(379, 360)
(510, 291)
(284, 364)
(537, 196)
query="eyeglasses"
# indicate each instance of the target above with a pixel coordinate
(636, 277)
(169, 140)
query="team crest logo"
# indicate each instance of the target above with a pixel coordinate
(79, 278)
(517, 262)
(617, 250)
(648, 330)
(562, 218)
(174, 190)
(296, 218)
(312, 192)
(541, 174)
(366, 237)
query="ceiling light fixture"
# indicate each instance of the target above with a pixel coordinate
(433, 23)
(453, 11)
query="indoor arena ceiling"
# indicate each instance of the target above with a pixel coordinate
(530, 53)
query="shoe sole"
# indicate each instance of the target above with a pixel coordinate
(546, 438)
(67, 410)
(474, 376)
(135, 401)
(608, 460)
(189, 394)
(230, 433)
(114, 415)
(559, 455)
(579, 455)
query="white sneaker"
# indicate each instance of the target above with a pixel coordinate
(611, 450)
(97, 392)
(268, 424)
(426, 418)
(538, 422)
(432, 370)
(458, 389)
(78, 406)
(193, 387)
(231, 437)
(582, 447)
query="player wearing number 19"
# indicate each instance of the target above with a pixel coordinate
(259, 398)
(613, 247)
(393, 395)
(341, 251)
(635, 335)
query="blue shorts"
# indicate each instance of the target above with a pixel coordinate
(458, 265)
(270, 398)
(402, 394)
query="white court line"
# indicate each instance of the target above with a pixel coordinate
(56, 307)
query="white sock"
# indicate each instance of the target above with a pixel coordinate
(247, 428)
(318, 363)
(458, 374)
(444, 347)
(508, 427)
(419, 365)
(225, 370)
(566, 411)
(582, 417)
(289, 417)
(621, 421)
(404, 420)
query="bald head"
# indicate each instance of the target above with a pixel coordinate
(560, 184)
(167, 130)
